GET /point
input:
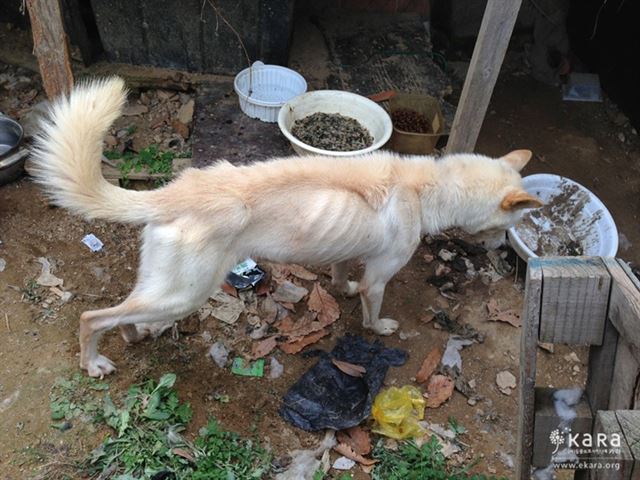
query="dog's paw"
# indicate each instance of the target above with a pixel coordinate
(352, 289)
(385, 326)
(99, 367)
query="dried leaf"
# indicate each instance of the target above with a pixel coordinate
(184, 454)
(269, 310)
(367, 468)
(279, 272)
(324, 304)
(264, 286)
(289, 292)
(349, 368)
(429, 365)
(347, 451)
(295, 329)
(509, 316)
(301, 272)
(439, 390)
(288, 306)
(229, 289)
(286, 325)
(357, 438)
(549, 347)
(295, 347)
(263, 347)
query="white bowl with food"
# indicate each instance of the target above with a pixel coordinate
(339, 106)
(572, 222)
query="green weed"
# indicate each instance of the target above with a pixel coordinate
(410, 462)
(456, 427)
(32, 292)
(147, 441)
(151, 158)
(76, 397)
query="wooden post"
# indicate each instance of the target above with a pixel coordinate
(51, 46)
(574, 300)
(493, 39)
(528, 358)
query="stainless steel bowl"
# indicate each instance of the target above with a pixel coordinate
(11, 159)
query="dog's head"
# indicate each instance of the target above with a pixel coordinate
(490, 196)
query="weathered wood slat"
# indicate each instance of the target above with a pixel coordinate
(493, 39)
(574, 300)
(607, 422)
(629, 421)
(601, 365)
(625, 377)
(51, 46)
(528, 358)
(624, 306)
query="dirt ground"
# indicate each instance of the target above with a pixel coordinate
(39, 338)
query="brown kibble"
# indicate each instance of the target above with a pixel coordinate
(410, 121)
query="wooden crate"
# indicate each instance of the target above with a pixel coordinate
(582, 301)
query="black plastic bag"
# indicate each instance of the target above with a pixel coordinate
(326, 397)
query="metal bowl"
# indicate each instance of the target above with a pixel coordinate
(11, 160)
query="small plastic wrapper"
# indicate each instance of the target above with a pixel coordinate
(398, 411)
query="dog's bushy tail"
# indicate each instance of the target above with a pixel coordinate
(67, 157)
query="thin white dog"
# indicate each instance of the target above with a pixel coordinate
(313, 210)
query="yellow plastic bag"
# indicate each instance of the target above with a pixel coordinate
(397, 412)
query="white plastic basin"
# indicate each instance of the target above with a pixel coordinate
(602, 236)
(263, 89)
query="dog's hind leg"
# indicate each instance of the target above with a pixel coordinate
(174, 280)
(340, 279)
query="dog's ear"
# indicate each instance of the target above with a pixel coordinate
(517, 159)
(518, 200)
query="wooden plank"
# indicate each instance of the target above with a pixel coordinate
(51, 46)
(626, 372)
(635, 280)
(606, 422)
(547, 420)
(528, 358)
(574, 300)
(624, 306)
(493, 39)
(601, 366)
(629, 421)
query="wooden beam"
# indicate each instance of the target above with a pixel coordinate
(51, 46)
(528, 358)
(601, 366)
(624, 305)
(493, 39)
